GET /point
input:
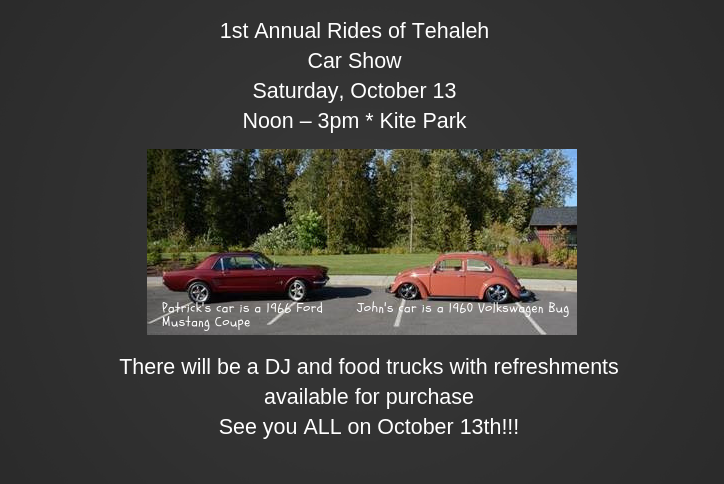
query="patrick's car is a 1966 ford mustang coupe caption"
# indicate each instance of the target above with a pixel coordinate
(460, 274)
(245, 272)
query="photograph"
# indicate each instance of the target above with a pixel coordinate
(361, 241)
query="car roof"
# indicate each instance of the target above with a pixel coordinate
(466, 254)
(246, 252)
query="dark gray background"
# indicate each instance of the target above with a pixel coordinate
(87, 89)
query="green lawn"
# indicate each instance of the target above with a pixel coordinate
(391, 264)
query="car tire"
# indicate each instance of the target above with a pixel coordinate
(297, 290)
(199, 292)
(497, 293)
(408, 291)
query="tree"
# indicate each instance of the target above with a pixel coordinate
(515, 200)
(436, 216)
(165, 203)
(237, 224)
(191, 167)
(215, 196)
(476, 185)
(310, 190)
(385, 232)
(461, 234)
(270, 190)
(408, 194)
(349, 205)
(543, 173)
(417, 198)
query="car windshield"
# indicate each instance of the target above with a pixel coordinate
(265, 261)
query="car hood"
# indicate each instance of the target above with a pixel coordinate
(417, 270)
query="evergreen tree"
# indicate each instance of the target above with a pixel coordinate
(269, 190)
(421, 199)
(461, 234)
(191, 166)
(407, 195)
(386, 232)
(165, 203)
(310, 190)
(239, 207)
(349, 204)
(437, 214)
(476, 185)
(215, 196)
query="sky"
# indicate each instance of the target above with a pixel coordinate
(572, 200)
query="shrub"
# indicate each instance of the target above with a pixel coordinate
(191, 259)
(527, 254)
(539, 252)
(163, 244)
(291, 252)
(178, 239)
(175, 254)
(318, 251)
(309, 230)
(353, 249)
(278, 239)
(401, 247)
(495, 239)
(559, 238)
(557, 257)
(153, 255)
(206, 243)
(460, 235)
(514, 253)
(572, 261)
(532, 253)
(558, 252)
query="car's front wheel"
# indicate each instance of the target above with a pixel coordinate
(297, 290)
(407, 290)
(497, 293)
(199, 292)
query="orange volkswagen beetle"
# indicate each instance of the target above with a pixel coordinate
(460, 274)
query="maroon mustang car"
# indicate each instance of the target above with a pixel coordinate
(245, 272)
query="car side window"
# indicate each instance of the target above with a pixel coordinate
(450, 265)
(240, 263)
(477, 265)
(218, 265)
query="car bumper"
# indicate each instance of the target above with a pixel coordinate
(525, 294)
(321, 283)
(388, 290)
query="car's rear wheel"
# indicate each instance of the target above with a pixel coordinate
(199, 292)
(408, 290)
(297, 290)
(497, 293)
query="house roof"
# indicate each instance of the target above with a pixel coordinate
(543, 216)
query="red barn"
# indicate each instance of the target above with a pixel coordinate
(545, 219)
